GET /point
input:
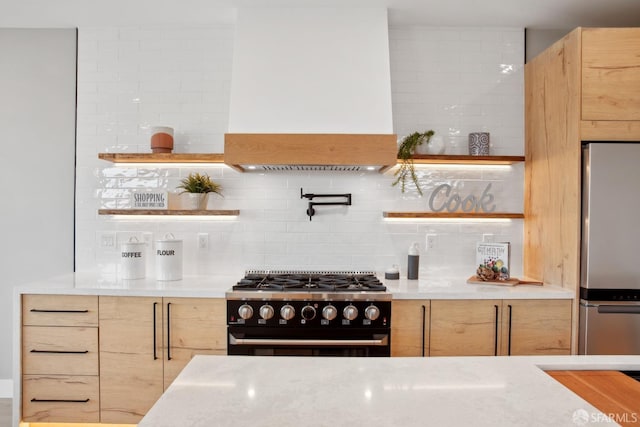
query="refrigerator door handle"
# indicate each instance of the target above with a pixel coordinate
(622, 309)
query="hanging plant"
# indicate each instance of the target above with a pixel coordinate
(406, 150)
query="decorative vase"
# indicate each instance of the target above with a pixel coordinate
(479, 143)
(197, 201)
(161, 139)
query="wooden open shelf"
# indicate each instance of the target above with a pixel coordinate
(466, 160)
(172, 212)
(452, 215)
(162, 157)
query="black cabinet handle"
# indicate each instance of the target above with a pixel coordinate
(37, 310)
(60, 400)
(424, 326)
(168, 331)
(495, 346)
(155, 342)
(509, 342)
(60, 351)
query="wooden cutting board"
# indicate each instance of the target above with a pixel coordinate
(612, 392)
(475, 280)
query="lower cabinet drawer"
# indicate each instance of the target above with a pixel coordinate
(63, 399)
(59, 350)
(60, 310)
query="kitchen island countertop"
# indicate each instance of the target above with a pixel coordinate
(462, 391)
(215, 286)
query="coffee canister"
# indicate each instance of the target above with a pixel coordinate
(168, 255)
(132, 259)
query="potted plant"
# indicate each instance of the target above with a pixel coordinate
(406, 150)
(198, 186)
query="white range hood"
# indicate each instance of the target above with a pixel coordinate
(310, 77)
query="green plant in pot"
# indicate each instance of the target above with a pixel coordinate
(406, 150)
(199, 186)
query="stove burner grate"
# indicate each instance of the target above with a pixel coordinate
(310, 281)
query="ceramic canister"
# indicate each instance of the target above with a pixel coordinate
(161, 139)
(479, 143)
(168, 255)
(132, 259)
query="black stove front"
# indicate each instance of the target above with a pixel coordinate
(309, 314)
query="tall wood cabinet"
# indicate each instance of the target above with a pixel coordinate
(145, 342)
(585, 87)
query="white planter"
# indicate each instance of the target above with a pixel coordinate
(196, 201)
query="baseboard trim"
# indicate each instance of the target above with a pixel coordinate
(6, 389)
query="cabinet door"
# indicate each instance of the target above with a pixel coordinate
(192, 326)
(131, 356)
(536, 327)
(410, 328)
(611, 74)
(465, 327)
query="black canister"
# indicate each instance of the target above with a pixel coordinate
(413, 264)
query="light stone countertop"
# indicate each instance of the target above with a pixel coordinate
(458, 288)
(322, 391)
(217, 286)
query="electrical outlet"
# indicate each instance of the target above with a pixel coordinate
(487, 238)
(203, 241)
(108, 240)
(431, 242)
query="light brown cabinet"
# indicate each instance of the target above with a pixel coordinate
(611, 74)
(60, 358)
(536, 327)
(410, 327)
(145, 342)
(481, 327)
(131, 365)
(500, 327)
(465, 327)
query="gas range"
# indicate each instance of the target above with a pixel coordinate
(310, 284)
(316, 313)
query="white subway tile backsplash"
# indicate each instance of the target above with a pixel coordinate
(452, 80)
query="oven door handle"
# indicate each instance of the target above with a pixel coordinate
(378, 340)
(619, 309)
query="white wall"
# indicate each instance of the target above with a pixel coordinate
(37, 119)
(454, 80)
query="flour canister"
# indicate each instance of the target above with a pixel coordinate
(168, 258)
(132, 259)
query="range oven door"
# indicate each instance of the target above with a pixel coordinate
(609, 327)
(250, 341)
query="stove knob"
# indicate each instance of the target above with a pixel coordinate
(245, 311)
(329, 312)
(372, 312)
(308, 312)
(350, 312)
(287, 312)
(266, 312)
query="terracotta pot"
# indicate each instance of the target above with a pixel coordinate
(161, 139)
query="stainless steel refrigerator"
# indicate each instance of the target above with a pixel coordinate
(610, 260)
